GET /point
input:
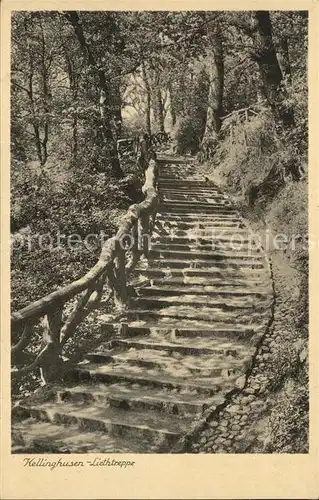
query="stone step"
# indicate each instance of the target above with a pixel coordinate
(197, 197)
(168, 187)
(209, 247)
(169, 362)
(193, 239)
(220, 285)
(215, 231)
(207, 198)
(112, 421)
(186, 175)
(173, 183)
(185, 195)
(198, 221)
(212, 255)
(210, 264)
(203, 208)
(166, 173)
(202, 334)
(168, 289)
(207, 195)
(109, 374)
(213, 236)
(200, 231)
(207, 273)
(194, 196)
(47, 437)
(166, 161)
(134, 397)
(218, 235)
(180, 183)
(215, 228)
(209, 315)
(213, 202)
(200, 301)
(172, 342)
(201, 218)
(216, 336)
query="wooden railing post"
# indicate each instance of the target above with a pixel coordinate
(135, 251)
(17, 349)
(145, 223)
(121, 285)
(75, 317)
(112, 264)
(135, 240)
(51, 363)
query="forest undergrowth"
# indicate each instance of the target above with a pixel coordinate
(60, 226)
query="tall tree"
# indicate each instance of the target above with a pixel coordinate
(266, 58)
(105, 95)
(216, 82)
(148, 99)
(31, 76)
(158, 106)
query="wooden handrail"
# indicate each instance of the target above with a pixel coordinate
(41, 306)
(256, 105)
(111, 268)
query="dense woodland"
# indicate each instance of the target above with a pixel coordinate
(229, 87)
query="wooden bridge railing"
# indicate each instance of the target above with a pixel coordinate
(118, 256)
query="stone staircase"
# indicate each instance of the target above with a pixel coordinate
(200, 306)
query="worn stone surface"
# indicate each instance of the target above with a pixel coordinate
(255, 404)
(189, 340)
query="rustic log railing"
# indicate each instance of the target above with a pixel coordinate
(129, 146)
(240, 116)
(229, 122)
(118, 257)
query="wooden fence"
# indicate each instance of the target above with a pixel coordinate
(116, 261)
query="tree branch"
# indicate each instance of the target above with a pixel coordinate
(241, 24)
(13, 82)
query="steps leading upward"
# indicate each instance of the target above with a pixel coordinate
(200, 305)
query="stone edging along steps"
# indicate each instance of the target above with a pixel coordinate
(198, 312)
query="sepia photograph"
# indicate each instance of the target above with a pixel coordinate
(159, 233)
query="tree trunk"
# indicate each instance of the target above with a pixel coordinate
(216, 87)
(74, 88)
(157, 101)
(117, 102)
(160, 110)
(172, 104)
(105, 98)
(46, 99)
(148, 100)
(35, 120)
(74, 146)
(271, 74)
(284, 59)
(266, 57)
